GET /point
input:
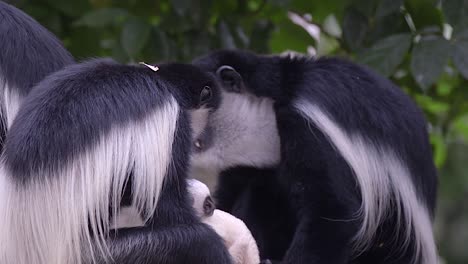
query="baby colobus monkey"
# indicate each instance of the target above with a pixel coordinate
(324, 160)
(91, 138)
(28, 53)
(236, 235)
(201, 198)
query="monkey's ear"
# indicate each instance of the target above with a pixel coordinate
(208, 206)
(231, 79)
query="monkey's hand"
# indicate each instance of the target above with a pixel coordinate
(236, 235)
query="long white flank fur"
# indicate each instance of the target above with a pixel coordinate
(382, 176)
(52, 220)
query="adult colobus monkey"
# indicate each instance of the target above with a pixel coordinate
(85, 137)
(28, 53)
(325, 160)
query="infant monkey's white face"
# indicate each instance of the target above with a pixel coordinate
(235, 234)
(201, 198)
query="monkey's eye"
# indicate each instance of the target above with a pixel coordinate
(205, 94)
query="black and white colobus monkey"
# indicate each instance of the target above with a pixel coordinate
(28, 53)
(324, 160)
(84, 136)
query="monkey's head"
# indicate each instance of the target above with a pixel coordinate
(201, 198)
(196, 90)
(242, 130)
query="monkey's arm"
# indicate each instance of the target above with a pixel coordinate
(173, 235)
(194, 243)
(236, 236)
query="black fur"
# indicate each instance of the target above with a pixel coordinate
(251, 195)
(28, 53)
(313, 181)
(71, 109)
(91, 97)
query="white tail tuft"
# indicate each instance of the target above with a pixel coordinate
(62, 214)
(382, 177)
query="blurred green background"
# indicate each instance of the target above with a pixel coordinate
(422, 45)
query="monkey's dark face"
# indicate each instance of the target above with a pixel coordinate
(242, 130)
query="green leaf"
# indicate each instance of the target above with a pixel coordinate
(460, 126)
(134, 35)
(460, 53)
(424, 13)
(428, 60)
(447, 83)
(431, 105)
(355, 26)
(440, 149)
(102, 17)
(385, 55)
(386, 26)
(387, 7)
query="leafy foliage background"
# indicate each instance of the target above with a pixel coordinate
(422, 45)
